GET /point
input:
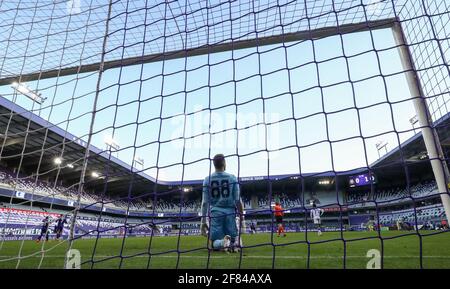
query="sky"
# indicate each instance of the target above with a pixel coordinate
(301, 107)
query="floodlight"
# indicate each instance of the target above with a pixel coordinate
(24, 90)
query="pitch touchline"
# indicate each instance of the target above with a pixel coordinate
(243, 257)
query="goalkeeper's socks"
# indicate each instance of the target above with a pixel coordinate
(222, 243)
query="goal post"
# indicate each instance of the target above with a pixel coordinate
(222, 46)
(429, 133)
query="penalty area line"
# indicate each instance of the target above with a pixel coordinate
(243, 257)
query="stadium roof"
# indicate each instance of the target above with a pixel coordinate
(47, 40)
(413, 149)
(33, 143)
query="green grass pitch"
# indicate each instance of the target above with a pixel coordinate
(401, 250)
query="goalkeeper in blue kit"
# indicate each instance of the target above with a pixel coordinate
(221, 199)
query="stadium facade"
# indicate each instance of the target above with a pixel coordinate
(391, 194)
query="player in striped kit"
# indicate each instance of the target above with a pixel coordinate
(315, 214)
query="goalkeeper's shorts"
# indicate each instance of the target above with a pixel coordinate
(221, 224)
(279, 219)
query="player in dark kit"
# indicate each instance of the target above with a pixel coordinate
(44, 229)
(252, 228)
(59, 227)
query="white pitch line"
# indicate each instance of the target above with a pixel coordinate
(248, 257)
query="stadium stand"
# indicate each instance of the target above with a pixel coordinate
(424, 214)
(192, 205)
(420, 190)
(23, 220)
(40, 188)
(44, 189)
(16, 221)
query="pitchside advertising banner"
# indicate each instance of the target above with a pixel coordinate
(26, 212)
(98, 208)
(85, 206)
(13, 229)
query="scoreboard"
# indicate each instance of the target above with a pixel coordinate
(362, 180)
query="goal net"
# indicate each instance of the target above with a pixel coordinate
(331, 114)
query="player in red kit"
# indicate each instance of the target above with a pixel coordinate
(278, 212)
